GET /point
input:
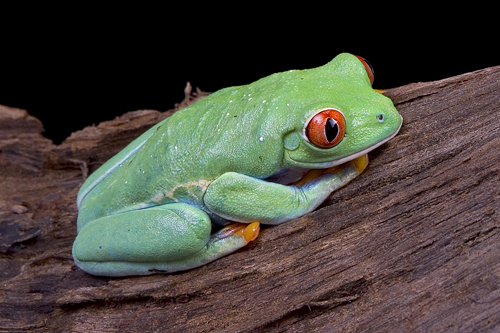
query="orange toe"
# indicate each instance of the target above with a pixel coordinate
(249, 231)
(360, 163)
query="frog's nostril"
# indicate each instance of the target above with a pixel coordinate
(380, 117)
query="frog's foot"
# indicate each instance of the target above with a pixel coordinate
(248, 231)
(359, 164)
(346, 172)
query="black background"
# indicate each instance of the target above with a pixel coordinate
(71, 71)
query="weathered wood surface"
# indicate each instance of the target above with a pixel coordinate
(413, 244)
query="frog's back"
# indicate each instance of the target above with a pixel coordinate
(112, 164)
(178, 158)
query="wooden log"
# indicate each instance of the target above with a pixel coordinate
(413, 244)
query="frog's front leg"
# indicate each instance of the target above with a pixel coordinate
(166, 238)
(242, 198)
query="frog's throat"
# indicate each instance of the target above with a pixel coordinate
(329, 164)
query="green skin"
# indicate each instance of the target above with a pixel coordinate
(151, 207)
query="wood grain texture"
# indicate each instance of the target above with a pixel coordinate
(413, 244)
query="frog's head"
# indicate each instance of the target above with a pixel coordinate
(338, 116)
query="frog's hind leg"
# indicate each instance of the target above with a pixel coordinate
(166, 238)
(221, 243)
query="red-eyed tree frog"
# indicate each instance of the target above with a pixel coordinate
(267, 152)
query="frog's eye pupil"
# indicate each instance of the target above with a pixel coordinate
(325, 129)
(331, 129)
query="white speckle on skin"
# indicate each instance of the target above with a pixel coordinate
(250, 99)
(227, 114)
(287, 104)
(261, 138)
(126, 182)
(263, 101)
(230, 101)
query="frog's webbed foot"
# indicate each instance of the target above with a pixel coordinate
(346, 172)
(239, 197)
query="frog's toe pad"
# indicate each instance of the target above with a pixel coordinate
(360, 163)
(249, 231)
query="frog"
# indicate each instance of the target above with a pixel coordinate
(198, 185)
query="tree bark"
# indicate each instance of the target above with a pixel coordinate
(412, 244)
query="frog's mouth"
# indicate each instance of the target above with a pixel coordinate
(289, 175)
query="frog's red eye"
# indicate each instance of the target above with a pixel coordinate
(368, 68)
(326, 129)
